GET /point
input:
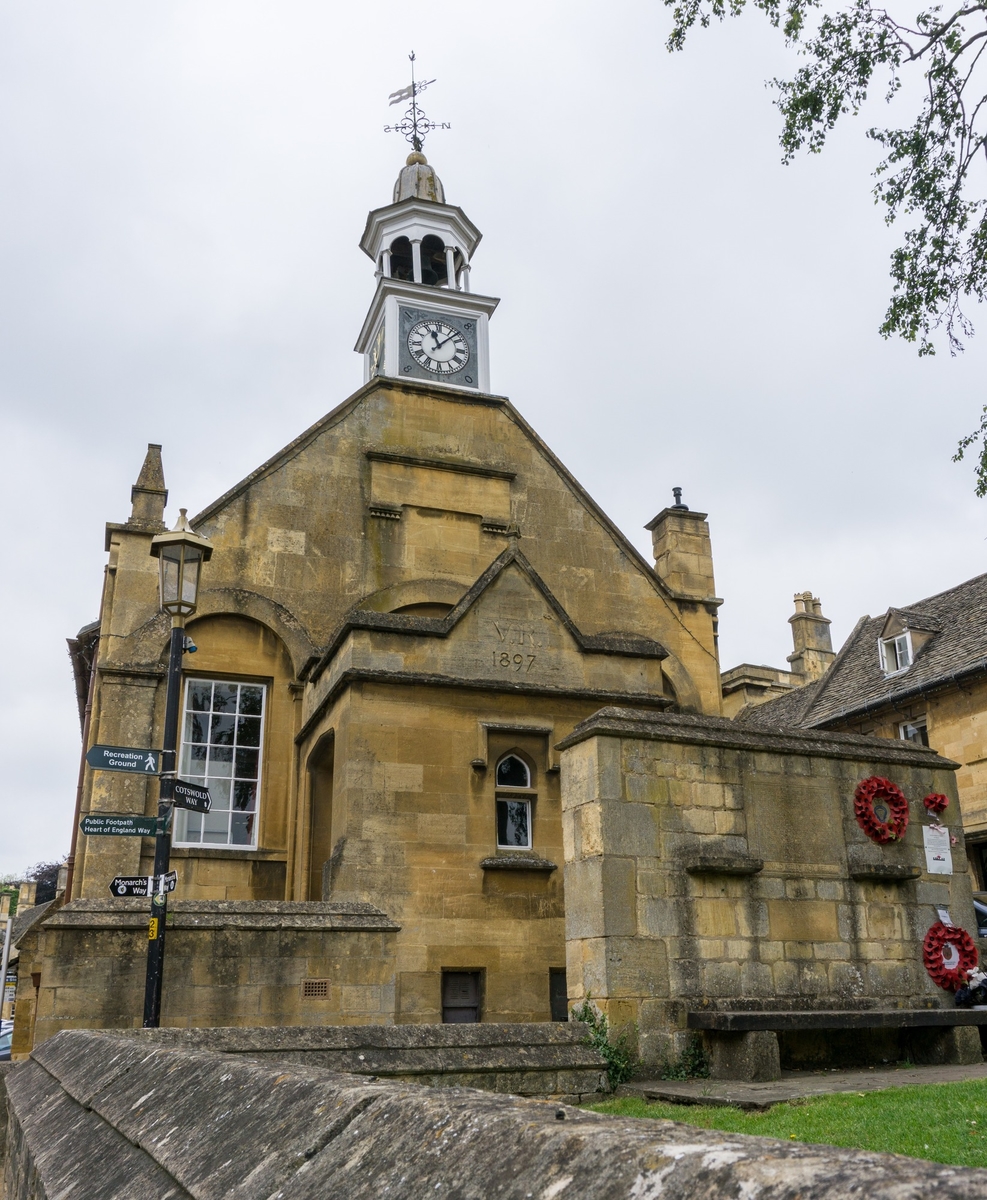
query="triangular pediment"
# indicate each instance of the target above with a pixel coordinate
(508, 631)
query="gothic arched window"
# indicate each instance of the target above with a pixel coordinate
(514, 800)
(513, 771)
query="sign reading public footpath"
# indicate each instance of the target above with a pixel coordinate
(118, 825)
(141, 885)
(192, 795)
(124, 758)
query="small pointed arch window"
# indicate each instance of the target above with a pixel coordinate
(513, 771)
(514, 802)
(402, 263)
(434, 271)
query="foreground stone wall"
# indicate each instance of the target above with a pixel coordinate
(99, 1117)
(227, 963)
(711, 866)
(534, 1059)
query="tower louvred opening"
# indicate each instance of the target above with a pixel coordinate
(433, 261)
(402, 263)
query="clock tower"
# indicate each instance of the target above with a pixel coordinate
(424, 322)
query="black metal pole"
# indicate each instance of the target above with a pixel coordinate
(162, 843)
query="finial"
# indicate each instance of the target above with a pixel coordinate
(677, 494)
(414, 125)
(149, 495)
(414, 157)
(182, 525)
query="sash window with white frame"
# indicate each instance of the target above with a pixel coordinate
(222, 748)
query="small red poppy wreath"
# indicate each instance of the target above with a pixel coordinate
(936, 803)
(881, 809)
(949, 955)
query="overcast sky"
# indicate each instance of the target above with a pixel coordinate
(183, 189)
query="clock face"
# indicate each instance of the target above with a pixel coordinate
(438, 347)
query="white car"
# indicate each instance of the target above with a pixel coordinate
(6, 1033)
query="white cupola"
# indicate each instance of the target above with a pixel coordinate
(424, 323)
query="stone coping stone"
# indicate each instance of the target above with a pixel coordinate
(542, 1059)
(26, 919)
(794, 1085)
(131, 913)
(273, 1039)
(101, 1117)
(5, 1069)
(721, 731)
(892, 1018)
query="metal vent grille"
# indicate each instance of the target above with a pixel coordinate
(315, 989)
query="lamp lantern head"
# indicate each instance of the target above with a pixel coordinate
(180, 554)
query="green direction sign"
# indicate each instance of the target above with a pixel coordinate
(124, 758)
(118, 825)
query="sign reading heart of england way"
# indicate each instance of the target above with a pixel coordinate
(192, 795)
(141, 885)
(118, 825)
(124, 758)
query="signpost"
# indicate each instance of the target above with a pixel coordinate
(118, 825)
(124, 758)
(143, 885)
(192, 795)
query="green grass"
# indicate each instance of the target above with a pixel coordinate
(944, 1122)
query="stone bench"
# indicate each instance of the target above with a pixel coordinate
(743, 1044)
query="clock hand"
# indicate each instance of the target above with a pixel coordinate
(439, 345)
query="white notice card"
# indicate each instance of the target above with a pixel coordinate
(938, 857)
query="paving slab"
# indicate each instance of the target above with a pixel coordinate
(794, 1085)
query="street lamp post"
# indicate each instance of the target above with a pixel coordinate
(180, 554)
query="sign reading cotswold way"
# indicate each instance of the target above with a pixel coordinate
(124, 758)
(192, 795)
(118, 825)
(142, 885)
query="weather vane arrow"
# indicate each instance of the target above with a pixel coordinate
(414, 125)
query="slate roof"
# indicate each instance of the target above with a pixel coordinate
(855, 682)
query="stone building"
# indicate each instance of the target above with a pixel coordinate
(918, 674)
(466, 751)
(405, 610)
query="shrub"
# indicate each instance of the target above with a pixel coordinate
(616, 1049)
(693, 1063)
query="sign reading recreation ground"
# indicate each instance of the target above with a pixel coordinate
(124, 758)
(118, 825)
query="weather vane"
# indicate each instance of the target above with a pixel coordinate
(414, 125)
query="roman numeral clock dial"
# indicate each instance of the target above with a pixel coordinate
(438, 347)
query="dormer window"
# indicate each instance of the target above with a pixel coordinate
(896, 653)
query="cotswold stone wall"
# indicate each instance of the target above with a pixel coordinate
(227, 963)
(711, 866)
(98, 1116)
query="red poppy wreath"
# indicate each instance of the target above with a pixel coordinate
(936, 802)
(949, 955)
(881, 809)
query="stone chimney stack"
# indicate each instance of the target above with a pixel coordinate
(810, 634)
(149, 495)
(683, 552)
(684, 564)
